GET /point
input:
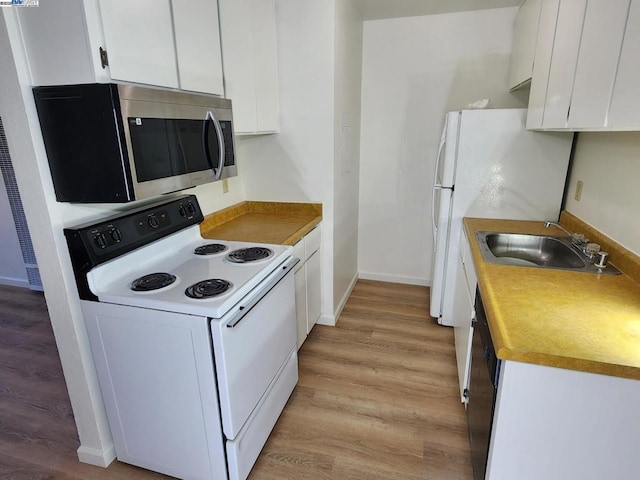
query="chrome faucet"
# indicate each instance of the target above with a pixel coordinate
(577, 239)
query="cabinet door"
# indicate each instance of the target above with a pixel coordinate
(524, 43)
(300, 280)
(313, 290)
(563, 63)
(600, 45)
(625, 101)
(249, 48)
(139, 41)
(542, 62)
(462, 330)
(197, 38)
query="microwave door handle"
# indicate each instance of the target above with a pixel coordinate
(217, 173)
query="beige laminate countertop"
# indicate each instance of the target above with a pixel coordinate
(279, 223)
(573, 320)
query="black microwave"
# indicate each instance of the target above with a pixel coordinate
(112, 143)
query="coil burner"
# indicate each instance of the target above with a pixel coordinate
(210, 249)
(248, 255)
(208, 288)
(153, 281)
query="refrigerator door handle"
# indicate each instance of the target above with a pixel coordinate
(440, 149)
(434, 230)
(436, 185)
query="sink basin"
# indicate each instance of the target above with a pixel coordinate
(541, 251)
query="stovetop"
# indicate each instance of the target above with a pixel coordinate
(175, 256)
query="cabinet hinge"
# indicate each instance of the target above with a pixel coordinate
(104, 59)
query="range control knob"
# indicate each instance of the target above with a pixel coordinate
(191, 209)
(153, 221)
(182, 211)
(100, 240)
(116, 235)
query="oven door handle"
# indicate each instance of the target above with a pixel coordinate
(284, 269)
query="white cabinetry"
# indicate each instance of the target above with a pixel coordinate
(625, 100)
(307, 281)
(138, 54)
(464, 313)
(556, 424)
(167, 43)
(248, 31)
(585, 74)
(555, 62)
(597, 63)
(524, 44)
(197, 37)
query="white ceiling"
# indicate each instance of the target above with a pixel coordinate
(379, 9)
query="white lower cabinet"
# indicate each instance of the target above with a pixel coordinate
(313, 290)
(300, 280)
(464, 314)
(307, 282)
(556, 424)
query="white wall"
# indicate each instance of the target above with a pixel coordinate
(297, 164)
(348, 81)
(45, 219)
(609, 166)
(12, 270)
(414, 70)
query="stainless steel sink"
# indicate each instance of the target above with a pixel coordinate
(540, 251)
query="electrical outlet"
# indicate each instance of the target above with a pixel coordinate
(578, 194)
(225, 185)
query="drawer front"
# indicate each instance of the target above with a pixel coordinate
(299, 252)
(312, 240)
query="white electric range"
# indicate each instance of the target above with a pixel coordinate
(194, 340)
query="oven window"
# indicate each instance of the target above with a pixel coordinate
(167, 147)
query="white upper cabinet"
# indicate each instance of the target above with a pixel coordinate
(197, 37)
(586, 75)
(166, 43)
(625, 100)
(525, 32)
(602, 32)
(139, 41)
(248, 31)
(542, 62)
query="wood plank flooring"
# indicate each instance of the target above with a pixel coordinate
(377, 398)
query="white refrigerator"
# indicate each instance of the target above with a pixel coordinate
(489, 166)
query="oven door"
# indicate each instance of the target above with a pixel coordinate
(251, 344)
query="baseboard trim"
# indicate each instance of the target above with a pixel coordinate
(99, 458)
(14, 282)
(384, 277)
(345, 297)
(328, 320)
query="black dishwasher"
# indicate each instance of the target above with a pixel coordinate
(483, 385)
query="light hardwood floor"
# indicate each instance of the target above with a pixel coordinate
(377, 398)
